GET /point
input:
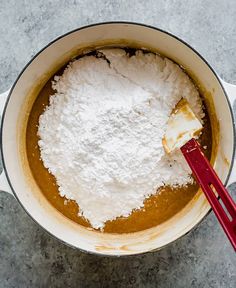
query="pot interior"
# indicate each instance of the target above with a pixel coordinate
(36, 74)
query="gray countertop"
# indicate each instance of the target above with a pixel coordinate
(29, 257)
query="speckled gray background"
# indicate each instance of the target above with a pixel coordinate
(29, 257)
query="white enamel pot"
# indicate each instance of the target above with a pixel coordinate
(15, 104)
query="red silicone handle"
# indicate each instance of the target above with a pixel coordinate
(207, 179)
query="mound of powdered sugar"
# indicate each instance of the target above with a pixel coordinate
(101, 135)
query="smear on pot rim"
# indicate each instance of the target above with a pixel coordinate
(101, 135)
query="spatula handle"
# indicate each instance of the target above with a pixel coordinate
(211, 186)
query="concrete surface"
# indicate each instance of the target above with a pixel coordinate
(29, 257)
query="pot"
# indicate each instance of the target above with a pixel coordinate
(16, 177)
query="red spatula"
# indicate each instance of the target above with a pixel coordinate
(182, 126)
(212, 187)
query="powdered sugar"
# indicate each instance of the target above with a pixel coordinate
(101, 135)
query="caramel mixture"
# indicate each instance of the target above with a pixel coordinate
(157, 208)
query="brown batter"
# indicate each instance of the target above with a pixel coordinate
(157, 208)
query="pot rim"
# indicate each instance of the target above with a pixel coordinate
(100, 24)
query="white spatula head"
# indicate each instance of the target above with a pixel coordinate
(182, 126)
